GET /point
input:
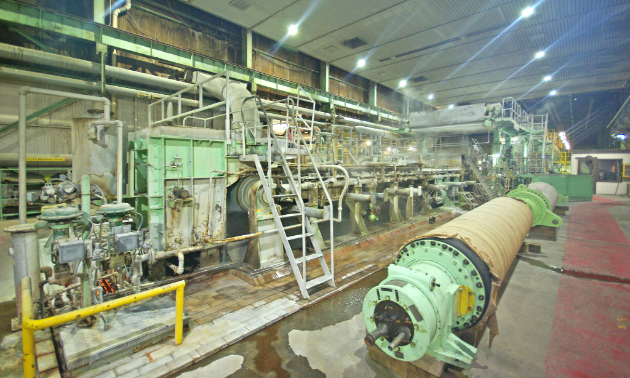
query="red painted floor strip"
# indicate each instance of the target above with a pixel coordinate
(590, 336)
(595, 242)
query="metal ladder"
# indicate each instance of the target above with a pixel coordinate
(480, 177)
(470, 200)
(307, 232)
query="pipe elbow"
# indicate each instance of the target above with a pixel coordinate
(24, 90)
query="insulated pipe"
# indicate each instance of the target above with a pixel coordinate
(180, 268)
(22, 135)
(442, 281)
(65, 82)
(85, 195)
(119, 154)
(373, 132)
(343, 192)
(58, 61)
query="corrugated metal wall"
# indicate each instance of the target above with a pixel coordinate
(353, 87)
(285, 64)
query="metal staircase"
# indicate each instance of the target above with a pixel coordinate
(292, 146)
(470, 200)
(536, 162)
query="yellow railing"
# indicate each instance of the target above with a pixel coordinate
(29, 325)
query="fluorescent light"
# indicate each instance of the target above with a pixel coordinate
(369, 142)
(410, 148)
(430, 96)
(621, 136)
(539, 54)
(548, 78)
(402, 83)
(553, 93)
(361, 63)
(527, 12)
(389, 149)
(496, 156)
(293, 29)
(451, 106)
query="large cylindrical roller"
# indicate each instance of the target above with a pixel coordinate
(441, 282)
(542, 198)
(548, 191)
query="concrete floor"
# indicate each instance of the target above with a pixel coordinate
(326, 339)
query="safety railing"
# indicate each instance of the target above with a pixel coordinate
(29, 325)
(167, 114)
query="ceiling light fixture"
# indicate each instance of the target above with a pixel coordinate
(361, 63)
(553, 93)
(527, 12)
(402, 83)
(539, 54)
(430, 96)
(548, 78)
(451, 106)
(293, 29)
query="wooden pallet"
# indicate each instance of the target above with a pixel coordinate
(561, 210)
(543, 232)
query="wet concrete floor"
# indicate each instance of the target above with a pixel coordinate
(325, 340)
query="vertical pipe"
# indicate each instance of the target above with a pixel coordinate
(22, 155)
(103, 73)
(85, 195)
(227, 109)
(119, 162)
(179, 315)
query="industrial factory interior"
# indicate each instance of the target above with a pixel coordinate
(314, 188)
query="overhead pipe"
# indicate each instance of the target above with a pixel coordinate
(25, 90)
(58, 61)
(41, 78)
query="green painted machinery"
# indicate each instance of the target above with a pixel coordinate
(542, 198)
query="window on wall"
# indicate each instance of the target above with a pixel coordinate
(609, 170)
(583, 168)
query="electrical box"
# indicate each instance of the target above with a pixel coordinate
(71, 250)
(126, 242)
(626, 171)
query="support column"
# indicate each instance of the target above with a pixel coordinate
(373, 97)
(99, 11)
(405, 108)
(324, 76)
(247, 55)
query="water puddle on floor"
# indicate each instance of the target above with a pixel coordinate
(325, 340)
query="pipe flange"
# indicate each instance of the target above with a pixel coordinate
(464, 267)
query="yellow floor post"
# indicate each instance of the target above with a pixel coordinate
(179, 314)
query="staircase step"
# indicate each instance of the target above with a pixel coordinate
(299, 236)
(314, 256)
(292, 215)
(318, 281)
(293, 226)
(284, 195)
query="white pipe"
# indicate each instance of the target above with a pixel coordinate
(25, 90)
(119, 154)
(178, 269)
(343, 192)
(65, 82)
